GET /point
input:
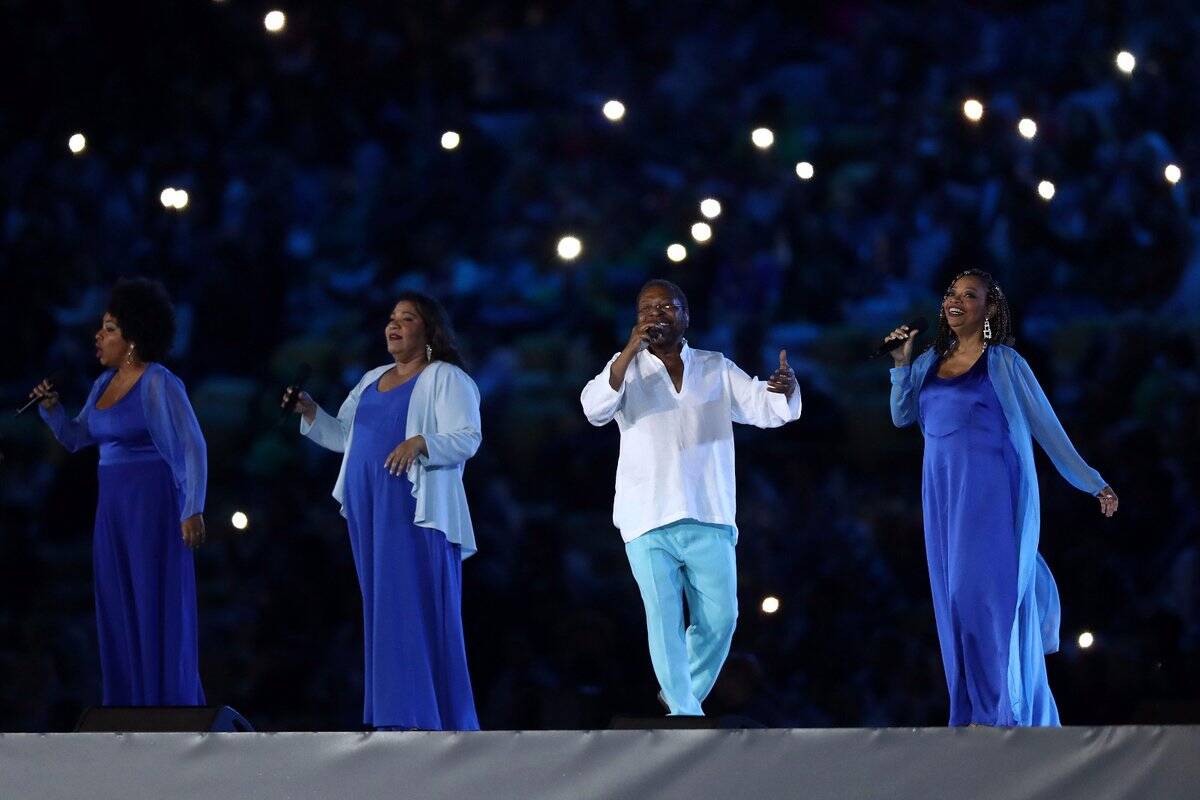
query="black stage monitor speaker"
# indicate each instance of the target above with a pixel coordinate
(161, 719)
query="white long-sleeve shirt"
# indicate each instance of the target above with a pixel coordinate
(676, 457)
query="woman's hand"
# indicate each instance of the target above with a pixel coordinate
(193, 530)
(1108, 501)
(405, 454)
(44, 392)
(902, 355)
(304, 404)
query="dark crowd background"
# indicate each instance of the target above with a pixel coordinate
(318, 190)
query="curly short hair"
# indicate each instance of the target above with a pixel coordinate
(143, 311)
(662, 283)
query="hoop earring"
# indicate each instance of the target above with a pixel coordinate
(987, 329)
(428, 352)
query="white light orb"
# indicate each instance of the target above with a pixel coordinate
(180, 200)
(569, 248)
(77, 143)
(805, 170)
(710, 207)
(1172, 173)
(676, 252)
(1046, 190)
(702, 232)
(1086, 640)
(1027, 128)
(972, 109)
(275, 21)
(167, 197)
(450, 140)
(1126, 62)
(614, 110)
(770, 604)
(239, 520)
(762, 138)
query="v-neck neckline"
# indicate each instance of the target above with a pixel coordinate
(667, 372)
(128, 391)
(964, 373)
(415, 376)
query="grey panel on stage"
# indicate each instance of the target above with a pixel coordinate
(896, 763)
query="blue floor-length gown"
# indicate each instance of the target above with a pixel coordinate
(415, 661)
(145, 581)
(970, 486)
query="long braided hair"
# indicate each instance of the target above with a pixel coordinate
(1000, 318)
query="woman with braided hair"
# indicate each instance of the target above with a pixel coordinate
(980, 408)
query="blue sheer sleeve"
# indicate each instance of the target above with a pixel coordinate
(1048, 431)
(903, 399)
(176, 434)
(73, 433)
(906, 386)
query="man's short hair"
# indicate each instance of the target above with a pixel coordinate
(663, 283)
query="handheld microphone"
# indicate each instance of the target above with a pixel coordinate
(916, 326)
(656, 333)
(294, 389)
(53, 378)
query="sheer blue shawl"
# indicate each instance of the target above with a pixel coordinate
(172, 424)
(1030, 416)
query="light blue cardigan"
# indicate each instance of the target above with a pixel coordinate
(172, 424)
(444, 410)
(1029, 416)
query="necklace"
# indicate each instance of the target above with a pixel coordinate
(983, 345)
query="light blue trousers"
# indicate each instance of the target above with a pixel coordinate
(694, 559)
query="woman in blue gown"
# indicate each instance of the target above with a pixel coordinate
(995, 602)
(152, 476)
(407, 430)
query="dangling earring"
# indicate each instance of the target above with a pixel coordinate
(987, 329)
(129, 356)
(429, 352)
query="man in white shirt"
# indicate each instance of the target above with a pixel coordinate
(675, 499)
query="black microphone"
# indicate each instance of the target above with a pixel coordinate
(53, 378)
(294, 389)
(916, 326)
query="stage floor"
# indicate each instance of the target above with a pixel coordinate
(1141, 762)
